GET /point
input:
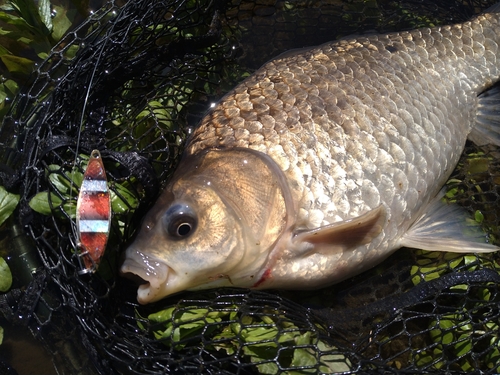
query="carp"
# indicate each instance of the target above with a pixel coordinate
(324, 162)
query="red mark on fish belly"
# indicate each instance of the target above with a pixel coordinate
(93, 213)
(266, 275)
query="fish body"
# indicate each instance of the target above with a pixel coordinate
(324, 162)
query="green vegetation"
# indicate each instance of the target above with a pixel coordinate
(8, 203)
(265, 339)
(28, 31)
(5, 276)
(65, 187)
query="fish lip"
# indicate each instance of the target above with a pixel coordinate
(154, 272)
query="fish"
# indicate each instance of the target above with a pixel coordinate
(324, 162)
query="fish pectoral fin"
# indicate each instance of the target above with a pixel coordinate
(486, 130)
(447, 227)
(344, 235)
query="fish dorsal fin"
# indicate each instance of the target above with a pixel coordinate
(253, 186)
(344, 235)
(447, 227)
(487, 127)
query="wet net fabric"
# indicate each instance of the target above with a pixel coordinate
(132, 81)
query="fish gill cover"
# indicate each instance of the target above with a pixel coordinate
(131, 81)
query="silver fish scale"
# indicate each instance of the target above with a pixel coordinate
(364, 121)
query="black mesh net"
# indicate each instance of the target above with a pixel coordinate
(131, 81)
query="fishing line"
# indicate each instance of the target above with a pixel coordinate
(78, 139)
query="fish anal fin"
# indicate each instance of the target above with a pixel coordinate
(344, 235)
(447, 227)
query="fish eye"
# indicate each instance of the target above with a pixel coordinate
(180, 221)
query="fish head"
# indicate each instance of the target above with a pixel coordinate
(214, 225)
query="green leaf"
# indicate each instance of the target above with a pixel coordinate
(268, 368)
(6, 7)
(484, 294)
(40, 202)
(14, 21)
(162, 316)
(478, 216)
(185, 324)
(31, 15)
(3, 95)
(463, 347)
(62, 22)
(260, 353)
(4, 51)
(5, 32)
(1, 335)
(63, 181)
(123, 200)
(423, 358)
(463, 287)
(303, 357)
(258, 334)
(12, 86)
(5, 276)
(45, 13)
(332, 363)
(8, 203)
(71, 51)
(15, 64)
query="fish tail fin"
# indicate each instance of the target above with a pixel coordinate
(486, 130)
(493, 9)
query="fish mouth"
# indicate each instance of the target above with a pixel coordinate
(152, 271)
